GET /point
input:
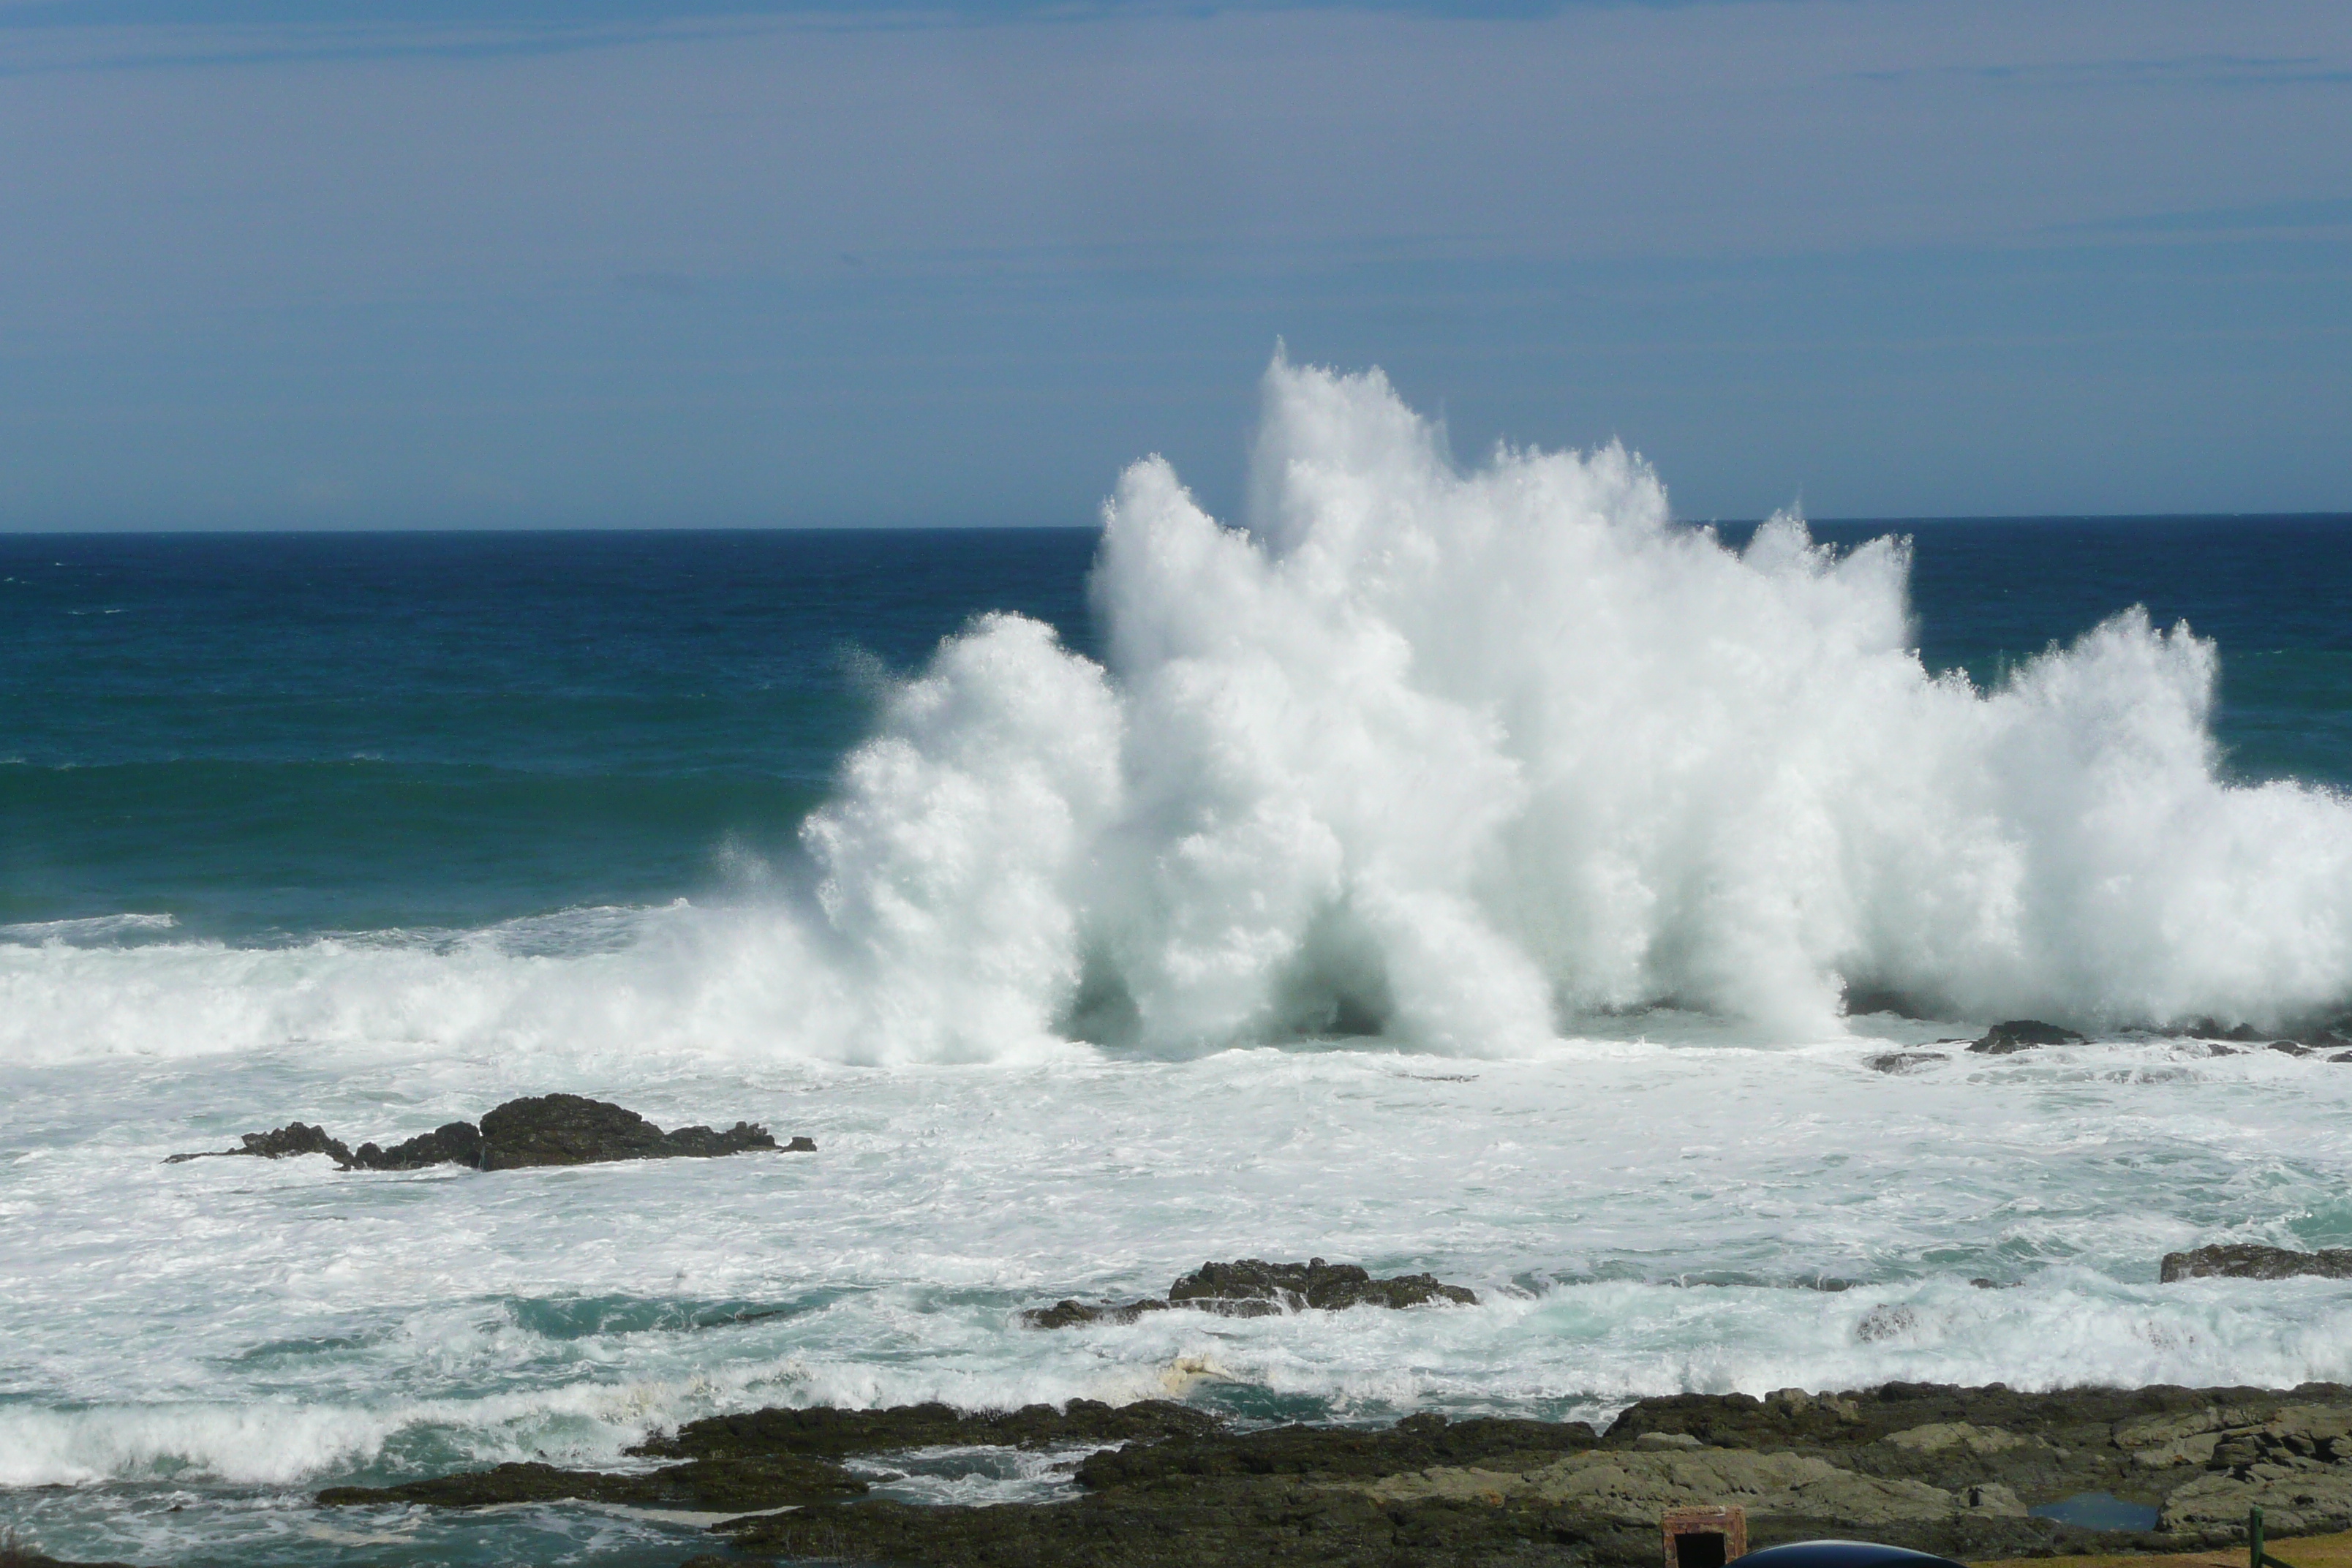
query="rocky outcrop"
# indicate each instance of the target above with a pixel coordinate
(294, 1138)
(2247, 1260)
(2295, 1464)
(1252, 1288)
(1904, 1061)
(543, 1130)
(572, 1130)
(2022, 1035)
(451, 1144)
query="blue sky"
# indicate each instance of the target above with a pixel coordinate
(549, 262)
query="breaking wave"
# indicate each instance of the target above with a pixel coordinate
(1451, 756)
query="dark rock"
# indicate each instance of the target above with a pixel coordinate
(294, 1138)
(1315, 1283)
(2248, 1260)
(1252, 1288)
(712, 1485)
(2210, 1029)
(2291, 1047)
(451, 1143)
(1903, 1061)
(2341, 1057)
(1412, 1443)
(572, 1130)
(2021, 1033)
(1066, 1314)
(549, 1129)
(826, 1433)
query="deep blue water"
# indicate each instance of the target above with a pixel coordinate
(271, 734)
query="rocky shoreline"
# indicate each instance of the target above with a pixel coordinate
(1962, 1472)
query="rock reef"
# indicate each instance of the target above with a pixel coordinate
(1956, 1471)
(2248, 1260)
(541, 1129)
(1252, 1288)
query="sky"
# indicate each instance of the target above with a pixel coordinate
(530, 263)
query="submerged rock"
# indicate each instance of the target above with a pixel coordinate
(543, 1130)
(1903, 1061)
(2021, 1035)
(1252, 1288)
(2248, 1260)
(294, 1138)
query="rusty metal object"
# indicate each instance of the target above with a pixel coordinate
(1705, 1537)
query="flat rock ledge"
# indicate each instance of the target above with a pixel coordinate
(2247, 1260)
(1954, 1471)
(543, 1129)
(1252, 1288)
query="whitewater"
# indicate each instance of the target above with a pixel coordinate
(1469, 868)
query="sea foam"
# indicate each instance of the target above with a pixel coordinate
(1456, 756)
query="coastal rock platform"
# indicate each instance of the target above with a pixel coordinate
(1972, 1473)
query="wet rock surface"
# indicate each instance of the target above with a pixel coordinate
(1949, 1470)
(2022, 1035)
(572, 1130)
(1252, 1288)
(278, 1144)
(2246, 1260)
(543, 1129)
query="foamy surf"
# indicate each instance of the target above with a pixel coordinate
(1455, 757)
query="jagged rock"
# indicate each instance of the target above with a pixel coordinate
(1903, 1061)
(294, 1138)
(2187, 1437)
(451, 1144)
(2021, 1033)
(572, 1130)
(1252, 1288)
(2295, 1465)
(545, 1129)
(2248, 1260)
(2212, 1029)
(1315, 1283)
(1067, 1313)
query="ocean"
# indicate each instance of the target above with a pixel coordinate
(1469, 868)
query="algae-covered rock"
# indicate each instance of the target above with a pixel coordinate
(827, 1432)
(708, 1485)
(1636, 1487)
(1252, 1288)
(2247, 1260)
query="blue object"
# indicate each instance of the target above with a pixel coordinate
(1842, 1554)
(2098, 1510)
